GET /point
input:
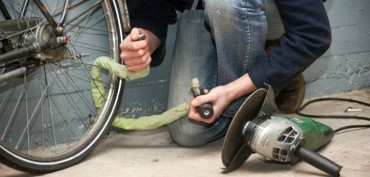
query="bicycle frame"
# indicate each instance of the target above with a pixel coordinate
(34, 48)
(46, 13)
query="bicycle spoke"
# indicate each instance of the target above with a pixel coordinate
(76, 106)
(78, 29)
(42, 96)
(12, 116)
(6, 97)
(42, 112)
(29, 119)
(89, 9)
(65, 90)
(85, 100)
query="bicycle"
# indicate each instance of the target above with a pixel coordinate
(47, 117)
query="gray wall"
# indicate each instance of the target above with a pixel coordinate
(344, 67)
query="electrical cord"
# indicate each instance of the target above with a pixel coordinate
(337, 116)
(351, 126)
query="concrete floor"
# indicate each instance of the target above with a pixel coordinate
(152, 154)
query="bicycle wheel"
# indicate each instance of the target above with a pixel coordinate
(48, 120)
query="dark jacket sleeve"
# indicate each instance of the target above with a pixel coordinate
(152, 15)
(307, 37)
(188, 4)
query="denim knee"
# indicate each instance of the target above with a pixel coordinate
(188, 139)
(188, 133)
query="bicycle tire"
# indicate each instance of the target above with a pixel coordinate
(48, 120)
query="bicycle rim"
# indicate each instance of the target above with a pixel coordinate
(48, 120)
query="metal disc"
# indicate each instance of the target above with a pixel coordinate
(234, 140)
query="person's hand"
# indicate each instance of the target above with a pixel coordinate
(220, 97)
(135, 53)
(217, 97)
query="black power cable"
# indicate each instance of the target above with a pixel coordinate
(337, 116)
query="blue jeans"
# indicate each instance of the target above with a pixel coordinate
(216, 45)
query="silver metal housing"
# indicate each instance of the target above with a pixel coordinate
(275, 139)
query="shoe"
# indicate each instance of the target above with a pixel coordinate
(290, 99)
(271, 44)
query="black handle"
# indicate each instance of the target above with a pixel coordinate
(318, 161)
(205, 110)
